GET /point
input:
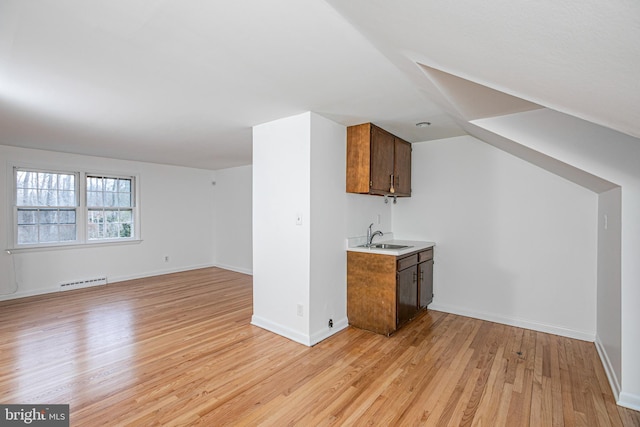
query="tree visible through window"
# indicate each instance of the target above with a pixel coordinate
(46, 207)
(109, 207)
(72, 207)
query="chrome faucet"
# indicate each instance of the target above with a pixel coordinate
(371, 235)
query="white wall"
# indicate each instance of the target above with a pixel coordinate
(612, 156)
(609, 332)
(328, 297)
(299, 168)
(515, 244)
(176, 207)
(281, 249)
(233, 230)
(364, 209)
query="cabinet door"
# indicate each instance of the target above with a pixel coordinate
(407, 295)
(402, 167)
(425, 280)
(382, 148)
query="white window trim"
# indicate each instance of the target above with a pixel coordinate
(81, 209)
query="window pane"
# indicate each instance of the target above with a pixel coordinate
(48, 233)
(94, 231)
(27, 216)
(96, 216)
(126, 216)
(124, 186)
(109, 199)
(96, 224)
(47, 181)
(21, 179)
(94, 199)
(111, 216)
(67, 233)
(110, 184)
(27, 197)
(48, 216)
(66, 198)
(47, 198)
(124, 200)
(67, 182)
(45, 189)
(46, 225)
(46, 192)
(30, 179)
(27, 234)
(125, 230)
(112, 231)
(67, 216)
(94, 184)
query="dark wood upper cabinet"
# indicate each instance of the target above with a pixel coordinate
(378, 162)
(402, 166)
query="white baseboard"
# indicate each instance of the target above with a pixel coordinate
(282, 330)
(236, 269)
(25, 294)
(628, 400)
(608, 369)
(116, 279)
(512, 321)
(327, 332)
(308, 340)
(110, 280)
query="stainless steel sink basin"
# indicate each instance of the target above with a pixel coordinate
(388, 246)
(385, 246)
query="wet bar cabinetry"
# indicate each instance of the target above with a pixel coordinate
(378, 162)
(386, 291)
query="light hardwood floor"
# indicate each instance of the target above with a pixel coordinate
(179, 350)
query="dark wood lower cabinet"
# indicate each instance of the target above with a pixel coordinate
(384, 291)
(425, 280)
(407, 295)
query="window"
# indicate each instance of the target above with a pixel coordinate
(110, 208)
(60, 208)
(46, 207)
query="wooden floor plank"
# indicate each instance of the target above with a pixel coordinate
(179, 349)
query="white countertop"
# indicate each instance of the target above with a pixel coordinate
(413, 246)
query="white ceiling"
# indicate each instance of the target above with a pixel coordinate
(183, 82)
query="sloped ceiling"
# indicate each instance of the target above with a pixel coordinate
(579, 58)
(182, 83)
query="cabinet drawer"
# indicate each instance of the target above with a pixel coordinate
(407, 262)
(425, 255)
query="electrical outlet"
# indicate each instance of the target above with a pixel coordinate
(331, 323)
(300, 310)
(166, 258)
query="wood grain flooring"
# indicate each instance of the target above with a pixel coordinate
(178, 349)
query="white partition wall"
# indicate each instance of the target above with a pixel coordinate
(299, 225)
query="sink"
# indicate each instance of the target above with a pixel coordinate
(385, 246)
(388, 246)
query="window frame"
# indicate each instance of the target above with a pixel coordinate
(81, 208)
(132, 208)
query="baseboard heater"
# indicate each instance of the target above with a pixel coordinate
(78, 284)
